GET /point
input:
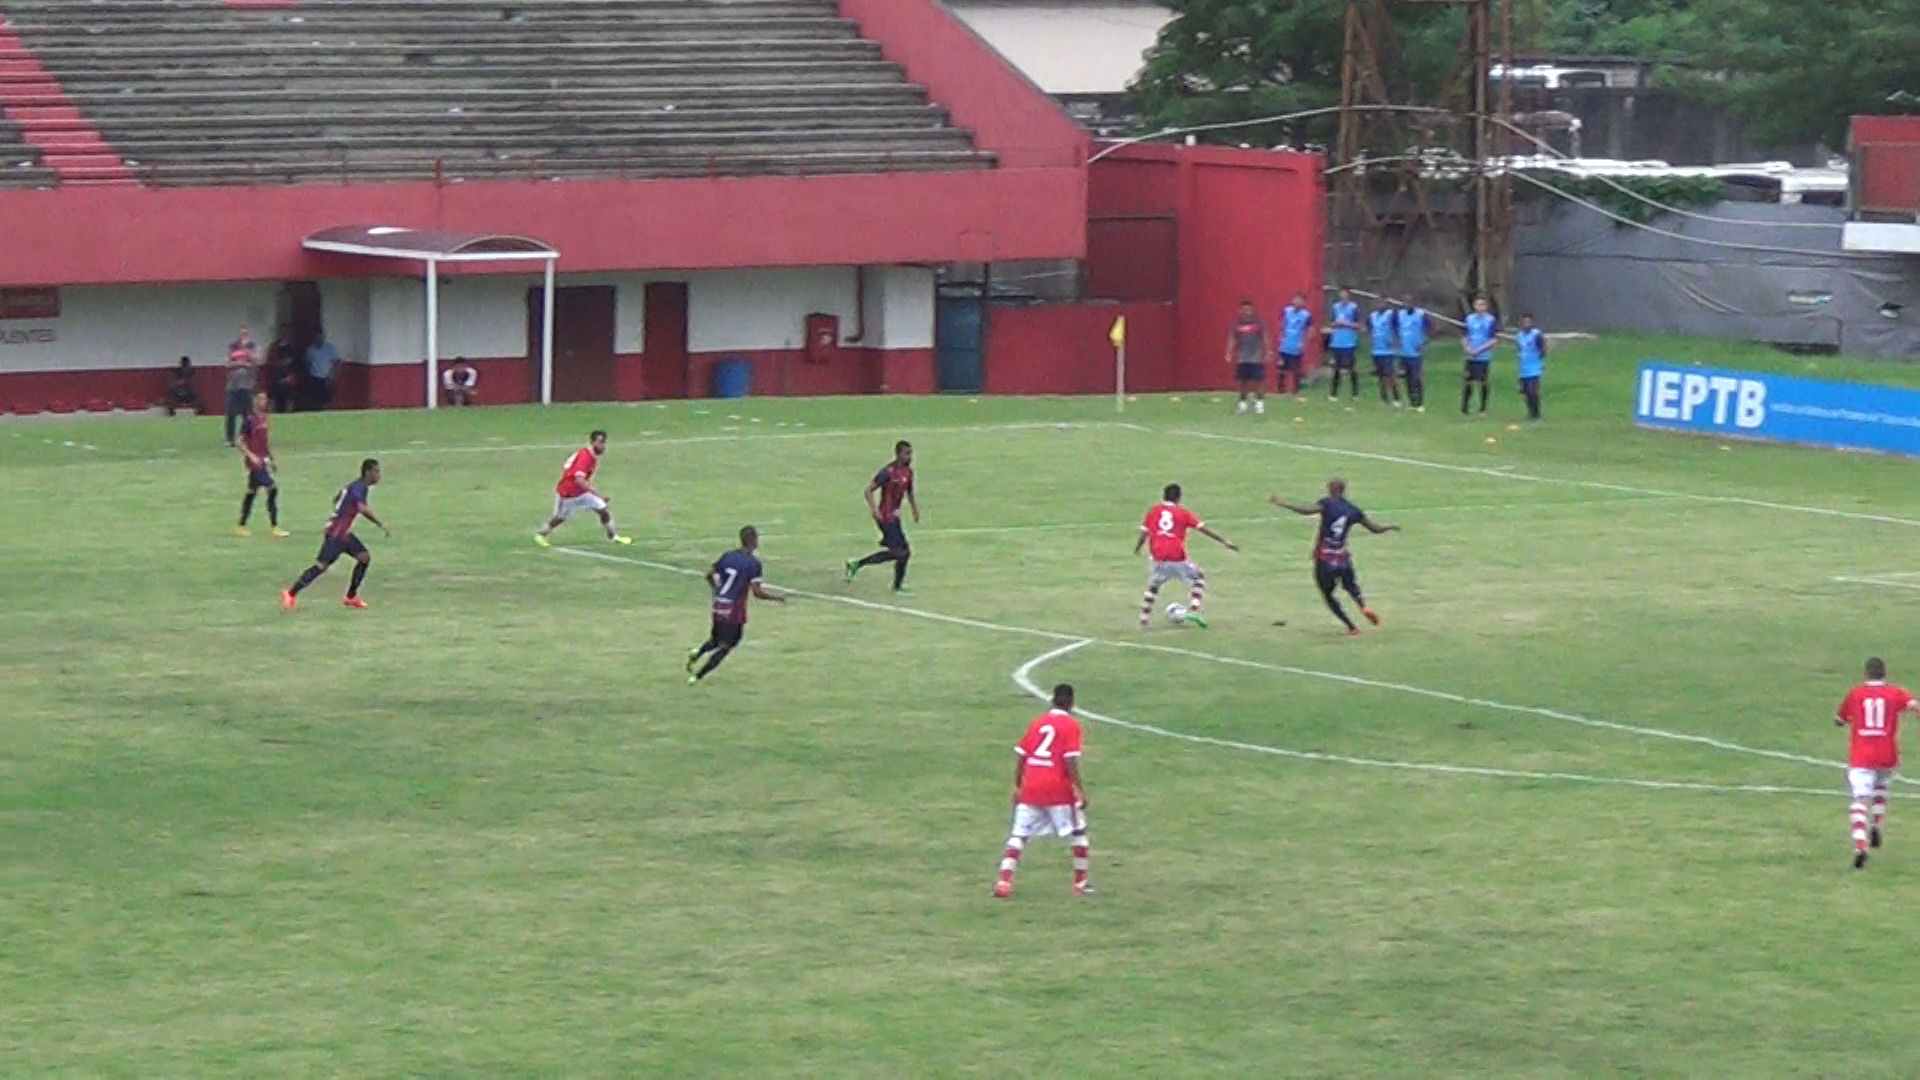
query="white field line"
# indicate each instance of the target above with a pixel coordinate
(1351, 680)
(1882, 582)
(1127, 527)
(1023, 678)
(1508, 474)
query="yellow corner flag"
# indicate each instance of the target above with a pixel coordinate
(1118, 335)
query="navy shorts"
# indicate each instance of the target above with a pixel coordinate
(1342, 358)
(1477, 370)
(1290, 361)
(259, 478)
(727, 633)
(1530, 383)
(1382, 365)
(1330, 576)
(1410, 366)
(892, 536)
(1247, 373)
(333, 547)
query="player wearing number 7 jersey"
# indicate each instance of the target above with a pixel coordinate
(1165, 528)
(1048, 795)
(1871, 713)
(734, 577)
(575, 492)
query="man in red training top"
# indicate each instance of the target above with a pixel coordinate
(1047, 793)
(1871, 713)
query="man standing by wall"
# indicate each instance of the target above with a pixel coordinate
(323, 362)
(243, 364)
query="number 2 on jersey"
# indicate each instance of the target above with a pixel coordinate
(1044, 752)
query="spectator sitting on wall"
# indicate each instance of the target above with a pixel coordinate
(461, 382)
(282, 380)
(323, 362)
(180, 391)
(243, 366)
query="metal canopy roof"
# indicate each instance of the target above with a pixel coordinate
(393, 242)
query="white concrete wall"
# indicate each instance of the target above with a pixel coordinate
(137, 326)
(1069, 48)
(382, 320)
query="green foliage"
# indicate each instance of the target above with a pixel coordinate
(1684, 192)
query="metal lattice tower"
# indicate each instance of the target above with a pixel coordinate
(1411, 163)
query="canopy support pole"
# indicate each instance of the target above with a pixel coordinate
(546, 338)
(433, 333)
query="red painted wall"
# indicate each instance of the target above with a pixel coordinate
(121, 234)
(1007, 113)
(1886, 159)
(1064, 348)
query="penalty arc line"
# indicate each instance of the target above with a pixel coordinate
(1023, 678)
(1350, 680)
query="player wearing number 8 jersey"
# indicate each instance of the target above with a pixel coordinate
(1871, 713)
(575, 492)
(1048, 795)
(1165, 529)
(1332, 562)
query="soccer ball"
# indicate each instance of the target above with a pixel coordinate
(1176, 613)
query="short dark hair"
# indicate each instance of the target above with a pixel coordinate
(749, 535)
(1876, 668)
(369, 465)
(1171, 493)
(596, 433)
(1063, 696)
(902, 445)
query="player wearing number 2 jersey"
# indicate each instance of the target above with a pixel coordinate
(1871, 713)
(1165, 528)
(1048, 795)
(575, 492)
(1332, 562)
(735, 578)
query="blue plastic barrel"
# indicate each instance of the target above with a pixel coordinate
(732, 378)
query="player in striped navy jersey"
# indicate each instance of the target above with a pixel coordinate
(338, 539)
(1332, 562)
(735, 578)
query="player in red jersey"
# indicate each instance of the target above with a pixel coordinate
(1871, 713)
(1165, 528)
(254, 447)
(575, 492)
(1048, 795)
(894, 486)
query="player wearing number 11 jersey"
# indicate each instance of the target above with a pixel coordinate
(1165, 528)
(1871, 713)
(1048, 796)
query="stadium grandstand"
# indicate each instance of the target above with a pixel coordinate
(586, 199)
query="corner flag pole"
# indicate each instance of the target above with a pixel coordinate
(1118, 335)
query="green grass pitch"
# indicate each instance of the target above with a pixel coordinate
(485, 829)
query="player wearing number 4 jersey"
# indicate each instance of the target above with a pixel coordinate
(1048, 796)
(1332, 562)
(1165, 528)
(1871, 713)
(734, 577)
(575, 492)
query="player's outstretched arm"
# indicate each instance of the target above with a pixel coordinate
(1303, 511)
(1377, 528)
(764, 593)
(1223, 541)
(367, 513)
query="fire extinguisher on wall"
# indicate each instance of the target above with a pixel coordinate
(823, 338)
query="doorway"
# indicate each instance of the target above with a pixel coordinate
(583, 329)
(959, 339)
(664, 356)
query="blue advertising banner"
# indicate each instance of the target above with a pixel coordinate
(1778, 408)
